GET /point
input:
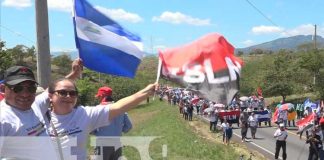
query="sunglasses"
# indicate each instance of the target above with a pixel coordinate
(20, 88)
(65, 93)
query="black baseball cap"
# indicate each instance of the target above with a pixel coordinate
(17, 74)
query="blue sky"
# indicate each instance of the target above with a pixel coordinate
(170, 23)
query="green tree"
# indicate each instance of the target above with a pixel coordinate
(19, 54)
(320, 85)
(312, 61)
(5, 58)
(62, 64)
(279, 76)
(87, 91)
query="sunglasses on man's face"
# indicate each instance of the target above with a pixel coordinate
(20, 88)
(65, 93)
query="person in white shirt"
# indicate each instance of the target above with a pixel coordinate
(225, 126)
(19, 121)
(213, 121)
(281, 135)
(253, 123)
(67, 120)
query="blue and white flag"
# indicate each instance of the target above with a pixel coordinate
(262, 115)
(104, 46)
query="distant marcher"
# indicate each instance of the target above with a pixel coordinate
(228, 133)
(225, 126)
(281, 135)
(213, 121)
(283, 117)
(315, 145)
(190, 111)
(244, 124)
(253, 123)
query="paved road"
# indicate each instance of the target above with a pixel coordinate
(265, 143)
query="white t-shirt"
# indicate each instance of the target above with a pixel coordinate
(15, 122)
(78, 124)
(23, 134)
(280, 135)
(225, 126)
(253, 121)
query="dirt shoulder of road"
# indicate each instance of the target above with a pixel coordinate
(201, 128)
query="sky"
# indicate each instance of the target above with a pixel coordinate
(170, 23)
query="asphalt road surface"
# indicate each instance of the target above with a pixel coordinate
(265, 144)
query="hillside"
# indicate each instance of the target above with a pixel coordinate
(290, 43)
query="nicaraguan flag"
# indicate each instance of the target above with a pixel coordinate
(104, 46)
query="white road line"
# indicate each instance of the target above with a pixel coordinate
(266, 150)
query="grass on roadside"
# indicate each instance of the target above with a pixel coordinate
(159, 119)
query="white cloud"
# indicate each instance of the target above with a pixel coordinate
(266, 30)
(17, 3)
(179, 18)
(63, 50)
(305, 29)
(120, 14)
(248, 43)
(60, 5)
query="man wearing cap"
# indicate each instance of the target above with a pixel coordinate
(20, 119)
(112, 132)
(281, 135)
(17, 118)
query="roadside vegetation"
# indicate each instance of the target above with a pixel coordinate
(183, 139)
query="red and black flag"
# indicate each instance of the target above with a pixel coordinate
(207, 66)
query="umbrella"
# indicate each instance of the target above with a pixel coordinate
(244, 98)
(209, 109)
(287, 106)
(194, 100)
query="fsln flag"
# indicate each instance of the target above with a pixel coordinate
(104, 45)
(207, 65)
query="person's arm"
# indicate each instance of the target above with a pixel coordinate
(77, 68)
(275, 135)
(132, 101)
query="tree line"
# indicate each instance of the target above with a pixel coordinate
(281, 73)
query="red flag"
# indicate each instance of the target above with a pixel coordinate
(305, 121)
(259, 90)
(275, 116)
(207, 65)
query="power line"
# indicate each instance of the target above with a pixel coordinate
(266, 17)
(18, 34)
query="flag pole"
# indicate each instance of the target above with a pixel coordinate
(158, 74)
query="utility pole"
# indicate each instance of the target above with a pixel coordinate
(315, 47)
(315, 50)
(42, 47)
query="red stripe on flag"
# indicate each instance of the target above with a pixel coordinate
(275, 115)
(305, 120)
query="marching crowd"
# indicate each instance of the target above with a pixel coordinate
(249, 112)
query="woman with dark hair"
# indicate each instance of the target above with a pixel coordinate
(67, 122)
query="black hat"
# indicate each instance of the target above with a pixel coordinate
(17, 74)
